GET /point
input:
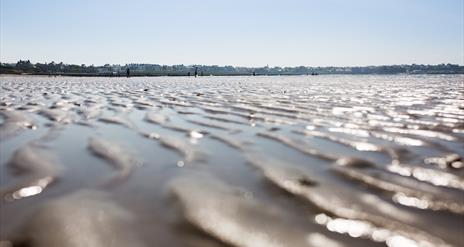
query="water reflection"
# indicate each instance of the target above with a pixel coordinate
(237, 160)
(32, 190)
(357, 228)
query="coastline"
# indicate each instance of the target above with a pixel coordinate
(219, 75)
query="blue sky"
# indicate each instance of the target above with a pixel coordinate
(239, 32)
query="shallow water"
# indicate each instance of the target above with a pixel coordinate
(240, 161)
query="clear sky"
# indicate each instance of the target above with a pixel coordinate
(238, 32)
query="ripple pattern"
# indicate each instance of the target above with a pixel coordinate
(240, 161)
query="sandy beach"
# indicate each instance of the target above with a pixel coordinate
(338, 160)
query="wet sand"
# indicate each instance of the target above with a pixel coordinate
(232, 161)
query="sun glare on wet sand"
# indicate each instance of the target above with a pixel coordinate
(332, 160)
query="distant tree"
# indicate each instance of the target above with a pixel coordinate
(25, 66)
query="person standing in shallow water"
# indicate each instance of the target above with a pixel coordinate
(128, 72)
(196, 71)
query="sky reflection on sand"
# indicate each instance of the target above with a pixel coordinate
(244, 161)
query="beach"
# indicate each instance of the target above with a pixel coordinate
(328, 160)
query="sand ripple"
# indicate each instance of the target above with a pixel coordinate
(284, 161)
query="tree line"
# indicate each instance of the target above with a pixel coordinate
(52, 68)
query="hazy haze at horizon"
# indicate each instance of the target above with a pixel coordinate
(246, 33)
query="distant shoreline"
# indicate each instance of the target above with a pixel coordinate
(152, 70)
(186, 75)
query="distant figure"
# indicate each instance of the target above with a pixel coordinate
(196, 71)
(254, 73)
(128, 72)
(188, 74)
